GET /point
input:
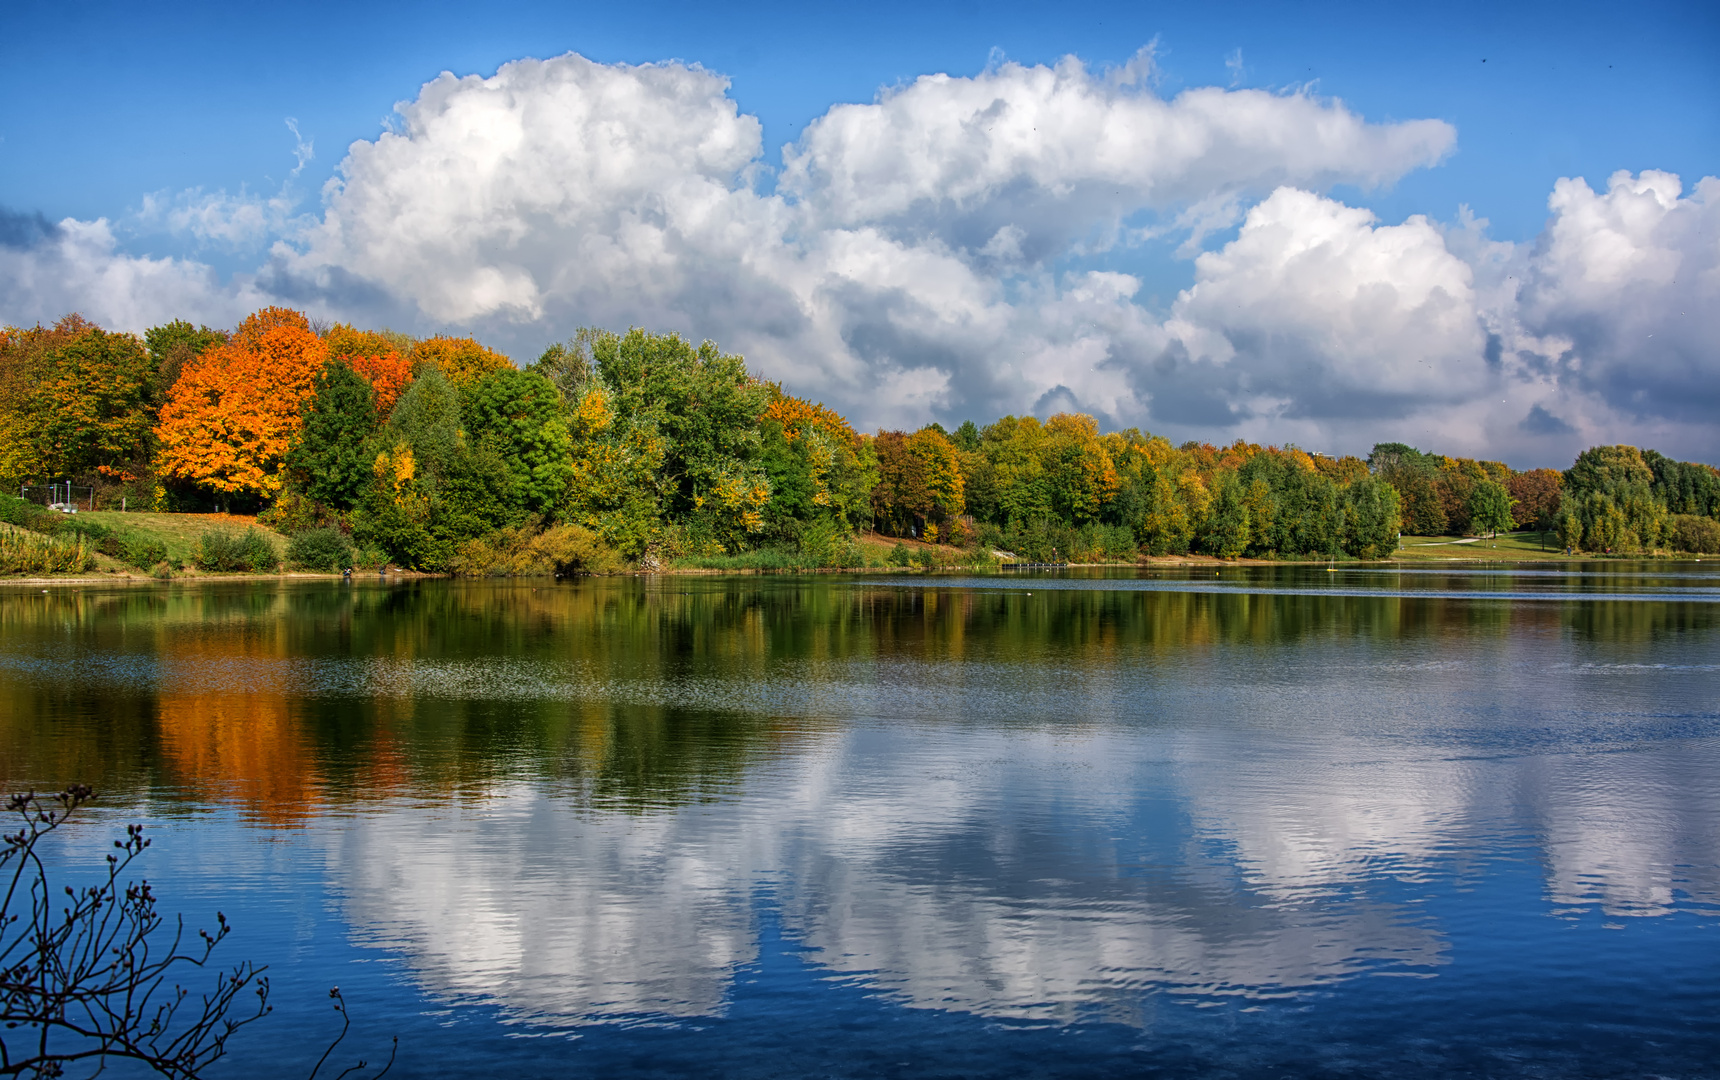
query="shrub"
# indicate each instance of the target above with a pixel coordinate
(25, 553)
(142, 552)
(293, 513)
(16, 511)
(326, 549)
(854, 556)
(226, 552)
(569, 549)
(764, 559)
(521, 551)
(27, 515)
(818, 543)
(1697, 535)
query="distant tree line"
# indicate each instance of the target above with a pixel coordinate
(441, 454)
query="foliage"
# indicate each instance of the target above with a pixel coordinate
(518, 414)
(704, 408)
(1608, 502)
(138, 550)
(1048, 540)
(570, 365)
(616, 486)
(920, 484)
(1689, 532)
(225, 551)
(374, 357)
(16, 511)
(431, 490)
(439, 454)
(173, 345)
(32, 553)
(295, 512)
(93, 407)
(1490, 507)
(1536, 492)
(330, 455)
(1684, 487)
(325, 549)
(81, 981)
(521, 550)
(462, 361)
(780, 558)
(1608, 468)
(821, 472)
(28, 358)
(232, 415)
(1371, 518)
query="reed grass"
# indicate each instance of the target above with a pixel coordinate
(32, 553)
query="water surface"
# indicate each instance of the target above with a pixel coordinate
(1251, 822)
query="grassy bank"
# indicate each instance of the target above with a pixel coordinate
(181, 533)
(114, 544)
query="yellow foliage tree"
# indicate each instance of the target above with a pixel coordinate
(462, 360)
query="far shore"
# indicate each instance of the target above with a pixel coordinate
(1159, 562)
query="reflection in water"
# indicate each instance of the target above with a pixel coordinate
(1042, 801)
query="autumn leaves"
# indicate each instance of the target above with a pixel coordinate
(232, 414)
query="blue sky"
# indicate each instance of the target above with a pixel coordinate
(107, 101)
(108, 104)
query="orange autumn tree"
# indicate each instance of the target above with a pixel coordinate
(462, 360)
(230, 417)
(375, 357)
(797, 414)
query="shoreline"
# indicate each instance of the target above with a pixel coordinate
(1166, 562)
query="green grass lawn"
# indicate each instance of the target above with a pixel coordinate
(1516, 547)
(180, 532)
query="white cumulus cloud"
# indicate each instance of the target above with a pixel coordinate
(928, 255)
(77, 266)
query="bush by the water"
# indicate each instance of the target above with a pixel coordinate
(326, 549)
(27, 553)
(523, 551)
(222, 551)
(1697, 535)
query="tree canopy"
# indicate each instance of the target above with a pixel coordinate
(647, 444)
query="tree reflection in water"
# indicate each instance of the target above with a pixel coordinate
(1037, 806)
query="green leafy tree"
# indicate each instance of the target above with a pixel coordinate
(791, 468)
(1371, 518)
(705, 408)
(518, 415)
(1229, 524)
(570, 364)
(616, 488)
(1607, 468)
(1609, 502)
(94, 406)
(1490, 508)
(1685, 487)
(332, 460)
(432, 490)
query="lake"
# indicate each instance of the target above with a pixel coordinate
(1252, 822)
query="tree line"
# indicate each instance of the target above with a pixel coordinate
(441, 454)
